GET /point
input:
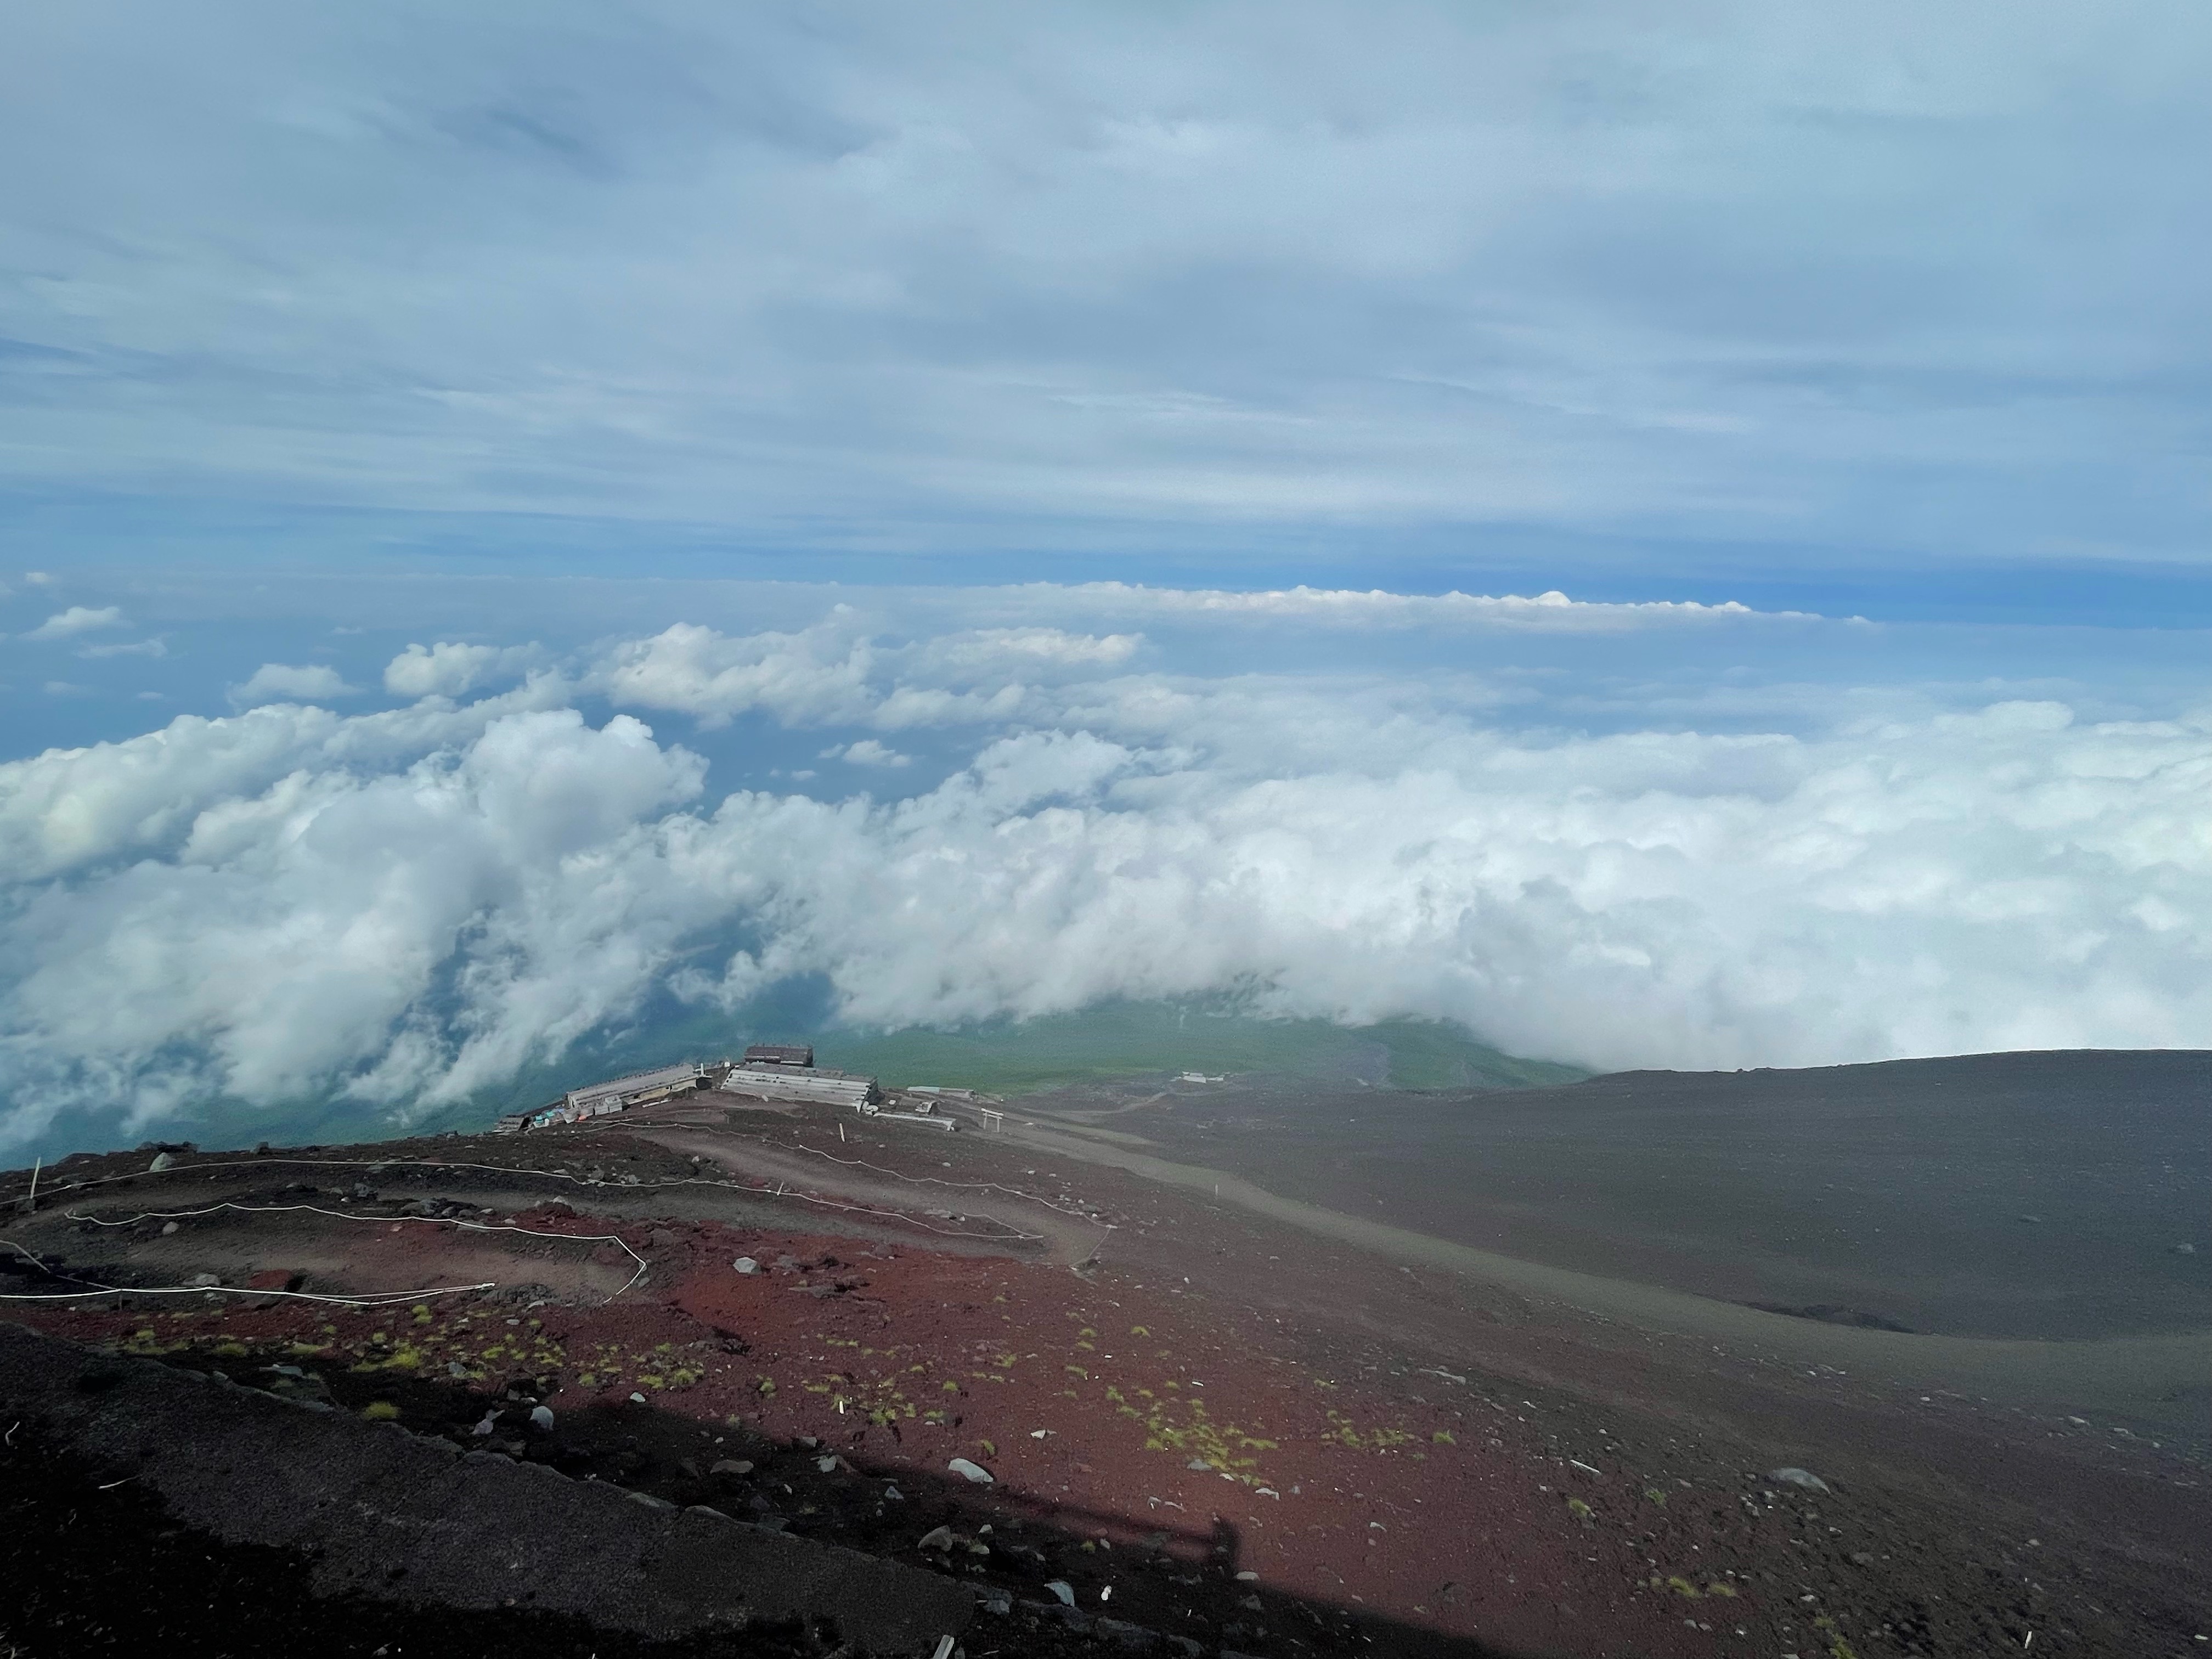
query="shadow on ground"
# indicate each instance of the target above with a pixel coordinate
(97, 1567)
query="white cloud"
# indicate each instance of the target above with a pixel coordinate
(404, 906)
(809, 677)
(1376, 608)
(447, 669)
(1002, 650)
(868, 752)
(68, 812)
(78, 619)
(133, 648)
(277, 682)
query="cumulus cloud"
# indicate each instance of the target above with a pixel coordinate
(815, 676)
(837, 671)
(447, 669)
(868, 752)
(400, 908)
(277, 682)
(78, 619)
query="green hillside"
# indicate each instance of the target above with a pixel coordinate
(1131, 1039)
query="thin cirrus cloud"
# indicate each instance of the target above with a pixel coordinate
(392, 909)
(1843, 285)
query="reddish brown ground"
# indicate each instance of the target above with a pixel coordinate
(1353, 1433)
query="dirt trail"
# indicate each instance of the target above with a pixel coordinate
(2140, 1375)
(1030, 1225)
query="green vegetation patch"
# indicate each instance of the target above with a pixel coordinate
(1134, 1039)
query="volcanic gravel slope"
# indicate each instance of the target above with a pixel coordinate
(1211, 1426)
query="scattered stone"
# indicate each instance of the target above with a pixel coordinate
(827, 1465)
(1796, 1477)
(2184, 1249)
(660, 1239)
(1198, 1463)
(974, 1472)
(168, 1228)
(893, 1495)
(203, 1281)
(937, 1538)
(162, 1161)
(455, 1368)
(1247, 1577)
(995, 1601)
(637, 1400)
(541, 1419)
(1064, 1591)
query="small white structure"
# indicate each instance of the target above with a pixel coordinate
(951, 1125)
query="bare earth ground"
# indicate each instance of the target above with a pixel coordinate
(1404, 1442)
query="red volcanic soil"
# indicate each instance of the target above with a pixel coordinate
(1215, 1426)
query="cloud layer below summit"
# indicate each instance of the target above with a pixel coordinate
(403, 905)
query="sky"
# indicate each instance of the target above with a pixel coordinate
(1671, 538)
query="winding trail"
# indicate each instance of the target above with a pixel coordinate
(1069, 1240)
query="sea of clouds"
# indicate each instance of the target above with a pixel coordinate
(1027, 801)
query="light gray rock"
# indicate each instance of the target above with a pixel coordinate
(1796, 1477)
(967, 1471)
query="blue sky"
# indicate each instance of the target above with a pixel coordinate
(1670, 537)
(1874, 305)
